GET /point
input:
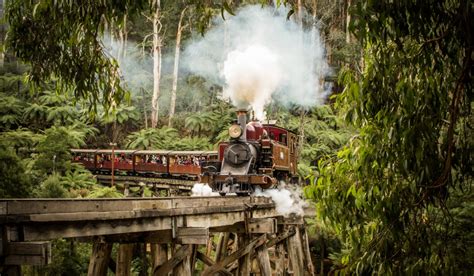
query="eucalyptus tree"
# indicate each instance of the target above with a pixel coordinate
(387, 193)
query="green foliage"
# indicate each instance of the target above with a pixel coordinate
(54, 148)
(152, 138)
(105, 192)
(10, 112)
(13, 181)
(69, 258)
(52, 188)
(61, 39)
(387, 194)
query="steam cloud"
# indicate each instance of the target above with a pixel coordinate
(200, 189)
(287, 200)
(258, 55)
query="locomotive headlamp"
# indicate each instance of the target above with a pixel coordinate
(235, 131)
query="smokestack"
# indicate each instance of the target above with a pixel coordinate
(242, 119)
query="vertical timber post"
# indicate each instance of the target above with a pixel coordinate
(280, 262)
(295, 253)
(124, 259)
(307, 253)
(245, 261)
(99, 260)
(264, 261)
(159, 253)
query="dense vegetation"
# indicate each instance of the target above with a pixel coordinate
(389, 158)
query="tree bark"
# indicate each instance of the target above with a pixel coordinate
(348, 21)
(156, 64)
(175, 69)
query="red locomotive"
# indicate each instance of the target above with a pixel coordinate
(256, 155)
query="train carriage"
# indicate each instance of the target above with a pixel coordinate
(189, 163)
(86, 157)
(151, 162)
(123, 160)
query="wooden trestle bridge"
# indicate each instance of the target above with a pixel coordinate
(252, 237)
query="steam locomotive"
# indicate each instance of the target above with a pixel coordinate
(257, 155)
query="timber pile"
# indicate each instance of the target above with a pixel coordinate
(229, 235)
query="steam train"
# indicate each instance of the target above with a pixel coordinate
(257, 155)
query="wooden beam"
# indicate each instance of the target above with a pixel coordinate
(159, 255)
(295, 253)
(262, 225)
(221, 249)
(27, 253)
(184, 268)
(238, 227)
(209, 262)
(307, 253)
(291, 220)
(280, 238)
(178, 257)
(245, 262)
(99, 259)
(124, 259)
(193, 235)
(280, 262)
(235, 256)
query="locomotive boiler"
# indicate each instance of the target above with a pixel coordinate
(257, 155)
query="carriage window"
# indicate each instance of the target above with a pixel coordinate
(283, 138)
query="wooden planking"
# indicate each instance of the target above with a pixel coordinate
(73, 229)
(48, 206)
(49, 231)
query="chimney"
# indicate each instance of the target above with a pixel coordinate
(242, 119)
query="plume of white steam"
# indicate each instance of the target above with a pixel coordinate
(259, 55)
(252, 75)
(287, 201)
(201, 189)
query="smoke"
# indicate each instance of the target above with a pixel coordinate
(288, 199)
(200, 189)
(135, 64)
(251, 75)
(258, 55)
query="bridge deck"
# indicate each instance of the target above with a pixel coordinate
(45, 219)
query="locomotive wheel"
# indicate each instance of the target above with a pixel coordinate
(242, 194)
(222, 194)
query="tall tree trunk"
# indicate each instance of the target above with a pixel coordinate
(122, 34)
(175, 69)
(300, 12)
(144, 108)
(348, 21)
(156, 64)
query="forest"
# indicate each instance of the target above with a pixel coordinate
(380, 94)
